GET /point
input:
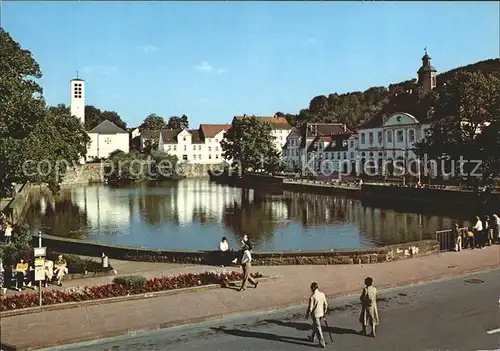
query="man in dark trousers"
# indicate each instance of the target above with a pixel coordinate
(317, 310)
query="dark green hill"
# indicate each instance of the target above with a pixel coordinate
(358, 107)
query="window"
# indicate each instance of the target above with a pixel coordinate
(389, 136)
(411, 135)
(344, 143)
(185, 157)
(209, 157)
(194, 147)
(352, 155)
(208, 140)
(380, 141)
(184, 138)
(216, 148)
(107, 140)
(169, 148)
(400, 136)
(199, 147)
(185, 147)
(175, 147)
(352, 144)
(370, 138)
(209, 149)
(363, 138)
(217, 156)
(345, 155)
(199, 157)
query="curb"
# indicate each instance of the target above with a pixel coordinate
(91, 339)
(69, 305)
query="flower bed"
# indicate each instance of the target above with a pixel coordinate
(51, 297)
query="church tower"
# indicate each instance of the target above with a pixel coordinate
(78, 98)
(427, 74)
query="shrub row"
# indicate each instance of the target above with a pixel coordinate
(122, 286)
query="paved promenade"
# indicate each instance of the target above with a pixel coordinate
(107, 320)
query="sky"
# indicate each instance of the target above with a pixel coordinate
(214, 60)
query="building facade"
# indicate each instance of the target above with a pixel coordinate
(330, 148)
(317, 142)
(104, 138)
(200, 145)
(77, 99)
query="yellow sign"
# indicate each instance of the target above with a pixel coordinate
(40, 262)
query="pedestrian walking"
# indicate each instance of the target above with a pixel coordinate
(457, 238)
(8, 233)
(318, 306)
(2, 277)
(496, 228)
(369, 310)
(246, 265)
(478, 232)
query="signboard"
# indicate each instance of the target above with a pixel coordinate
(39, 269)
(40, 251)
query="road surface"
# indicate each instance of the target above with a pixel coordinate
(456, 314)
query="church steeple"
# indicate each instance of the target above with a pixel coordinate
(427, 73)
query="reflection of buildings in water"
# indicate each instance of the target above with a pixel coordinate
(382, 226)
(199, 197)
(104, 206)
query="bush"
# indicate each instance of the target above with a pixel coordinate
(131, 281)
(51, 297)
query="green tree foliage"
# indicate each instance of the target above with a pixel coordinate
(470, 103)
(355, 108)
(58, 142)
(250, 142)
(153, 122)
(175, 122)
(30, 133)
(94, 116)
(134, 166)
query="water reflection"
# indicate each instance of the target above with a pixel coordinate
(195, 214)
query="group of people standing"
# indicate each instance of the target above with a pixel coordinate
(485, 232)
(243, 257)
(318, 308)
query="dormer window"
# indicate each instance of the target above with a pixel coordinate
(184, 138)
(344, 143)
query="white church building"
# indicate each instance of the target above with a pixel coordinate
(105, 137)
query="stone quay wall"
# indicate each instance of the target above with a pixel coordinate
(299, 257)
(17, 205)
(321, 187)
(94, 172)
(423, 197)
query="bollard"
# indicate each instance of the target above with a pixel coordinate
(105, 260)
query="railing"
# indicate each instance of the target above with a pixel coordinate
(445, 238)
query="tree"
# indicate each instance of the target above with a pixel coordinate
(153, 122)
(468, 107)
(58, 142)
(21, 107)
(94, 116)
(250, 142)
(175, 122)
(36, 142)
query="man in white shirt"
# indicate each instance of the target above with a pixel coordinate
(478, 232)
(246, 265)
(224, 246)
(317, 309)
